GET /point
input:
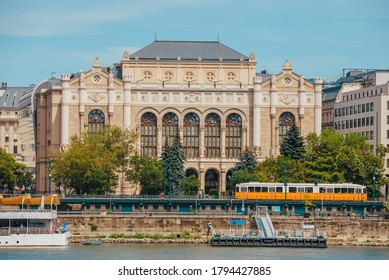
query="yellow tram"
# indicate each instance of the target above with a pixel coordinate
(301, 191)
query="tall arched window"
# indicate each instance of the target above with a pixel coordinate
(191, 135)
(169, 127)
(233, 136)
(149, 135)
(212, 136)
(96, 120)
(286, 121)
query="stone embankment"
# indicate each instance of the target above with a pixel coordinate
(125, 228)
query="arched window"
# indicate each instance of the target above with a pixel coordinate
(212, 136)
(191, 135)
(96, 120)
(149, 135)
(286, 121)
(233, 136)
(169, 127)
(211, 180)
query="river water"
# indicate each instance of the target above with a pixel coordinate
(190, 252)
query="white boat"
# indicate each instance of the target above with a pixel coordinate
(30, 227)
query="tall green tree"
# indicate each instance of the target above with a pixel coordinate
(247, 161)
(148, 173)
(10, 170)
(91, 162)
(293, 144)
(173, 165)
(191, 185)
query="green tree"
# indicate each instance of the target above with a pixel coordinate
(293, 144)
(247, 161)
(25, 179)
(191, 185)
(10, 170)
(242, 176)
(174, 171)
(91, 162)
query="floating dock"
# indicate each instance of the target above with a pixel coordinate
(266, 236)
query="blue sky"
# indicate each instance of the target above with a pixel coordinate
(320, 38)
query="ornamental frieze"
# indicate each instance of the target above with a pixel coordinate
(287, 99)
(96, 96)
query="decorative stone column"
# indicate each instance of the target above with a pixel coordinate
(160, 145)
(82, 100)
(273, 107)
(301, 103)
(66, 99)
(111, 97)
(257, 112)
(223, 142)
(127, 101)
(318, 95)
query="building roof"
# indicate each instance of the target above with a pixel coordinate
(188, 51)
(330, 93)
(10, 96)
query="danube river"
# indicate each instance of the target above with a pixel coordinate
(190, 252)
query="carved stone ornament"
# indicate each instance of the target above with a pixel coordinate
(96, 96)
(287, 99)
(192, 98)
(257, 151)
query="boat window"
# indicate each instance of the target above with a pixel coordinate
(309, 189)
(279, 189)
(257, 189)
(344, 190)
(265, 189)
(292, 189)
(251, 189)
(337, 190)
(330, 190)
(272, 189)
(350, 190)
(300, 189)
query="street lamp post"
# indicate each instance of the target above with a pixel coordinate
(285, 184)
(50, 174)
(374, 175)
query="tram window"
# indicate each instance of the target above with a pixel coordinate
(350, 190)
(279, 189)
(251, 189)
(265, 189)
(364, 190)
(309, 189)
(344, 190)
(243, 189)
(330, 190)
(257, 189)
(300, 189)
(322, 190)
(272, 189)
(292, 189)
(357, 190)
(337, 190)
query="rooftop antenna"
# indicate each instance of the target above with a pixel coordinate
(218, 38)
(155, 36)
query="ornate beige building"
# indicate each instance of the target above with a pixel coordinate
(208, 92)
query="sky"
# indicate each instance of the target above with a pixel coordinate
(319, 38)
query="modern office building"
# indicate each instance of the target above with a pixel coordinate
(363, 107)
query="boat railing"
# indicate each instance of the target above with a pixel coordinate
(278, 233)
(26, 210)
(24, 230)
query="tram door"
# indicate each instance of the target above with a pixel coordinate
(211, 180)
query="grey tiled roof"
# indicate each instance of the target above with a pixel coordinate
(188, 50)
(330, 93)
(10, 96)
